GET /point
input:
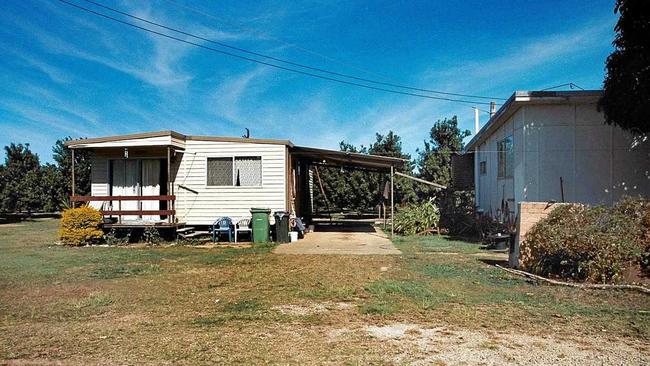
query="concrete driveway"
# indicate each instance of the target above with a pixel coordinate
(341, 237)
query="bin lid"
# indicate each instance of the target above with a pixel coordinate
(281, 213)
(261, 210)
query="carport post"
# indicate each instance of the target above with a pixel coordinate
(72, 188)
(392, 202)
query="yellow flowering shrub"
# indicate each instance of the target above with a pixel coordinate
(81, 226)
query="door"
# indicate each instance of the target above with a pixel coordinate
(125, 177)
(151, 187)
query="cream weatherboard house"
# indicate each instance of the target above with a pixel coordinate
(170, 179)
(554, 146)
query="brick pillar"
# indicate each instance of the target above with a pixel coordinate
(529, 214)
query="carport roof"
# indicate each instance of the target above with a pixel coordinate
(343, 158)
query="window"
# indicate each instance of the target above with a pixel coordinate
(235, 171)
(220, 171)
(482, 167)
(506, 157)
(248, 171)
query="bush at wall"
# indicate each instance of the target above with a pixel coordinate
(416, 218)
(589, 243)
(81, 226)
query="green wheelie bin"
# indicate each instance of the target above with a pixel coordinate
(260, 224)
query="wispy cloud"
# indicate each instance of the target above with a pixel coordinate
(520, 57)
(52, 72)
(226, 100)
(150, 58)
(412, 119)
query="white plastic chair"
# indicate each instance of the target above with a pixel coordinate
(243, 225)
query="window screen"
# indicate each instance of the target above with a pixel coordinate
(248, 171)
(220, 172)
(483, 167)
(506, 157)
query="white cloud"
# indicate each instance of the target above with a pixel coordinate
(157, 61)
(226, 100)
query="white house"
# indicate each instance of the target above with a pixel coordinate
(555, 146)
(170, 179)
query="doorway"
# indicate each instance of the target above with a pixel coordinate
(138, 177)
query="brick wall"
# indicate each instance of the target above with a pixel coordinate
(529, 214)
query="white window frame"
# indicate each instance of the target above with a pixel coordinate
(233, 157)
(511, 152)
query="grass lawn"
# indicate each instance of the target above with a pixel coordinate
(441, 302)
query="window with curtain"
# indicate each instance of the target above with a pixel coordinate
(248, 171)
(505, 158)
(220, 172)
(244, 171)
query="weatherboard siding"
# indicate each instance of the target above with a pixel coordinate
(200, 204)
(598, 163)
(99, 176)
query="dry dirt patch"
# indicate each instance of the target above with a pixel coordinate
(310, 309)
(341, 242)
(423, 346)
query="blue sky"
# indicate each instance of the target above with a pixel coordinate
(68, 73)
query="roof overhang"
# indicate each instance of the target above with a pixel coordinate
(160, 138)
(147, 139)
(521, 98)
(177, 141)
(318, 156)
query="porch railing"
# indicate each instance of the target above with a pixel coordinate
(170, 212)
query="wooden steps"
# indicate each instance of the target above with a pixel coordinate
(189, 232)
(195, 234)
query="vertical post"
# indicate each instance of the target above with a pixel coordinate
(73, 178)
(169, 181)
(392, 202)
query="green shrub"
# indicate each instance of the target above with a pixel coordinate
(588, 243)
(458, 214)
(117, 237)
(416, 218)
(81, 226)
(151, 235)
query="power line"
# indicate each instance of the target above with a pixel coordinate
(276, 39)
(282, 60)
(266, 63)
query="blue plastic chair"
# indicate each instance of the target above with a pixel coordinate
(222, 225)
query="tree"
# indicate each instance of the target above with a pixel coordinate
(346, 189)
(20, 184)
(391, 145)
(53, 188)
(445, 139)
(25, 185)
(359, 190)
(626, 97)
(434, 162)
(63, 157)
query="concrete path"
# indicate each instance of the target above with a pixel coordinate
(341, 238)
